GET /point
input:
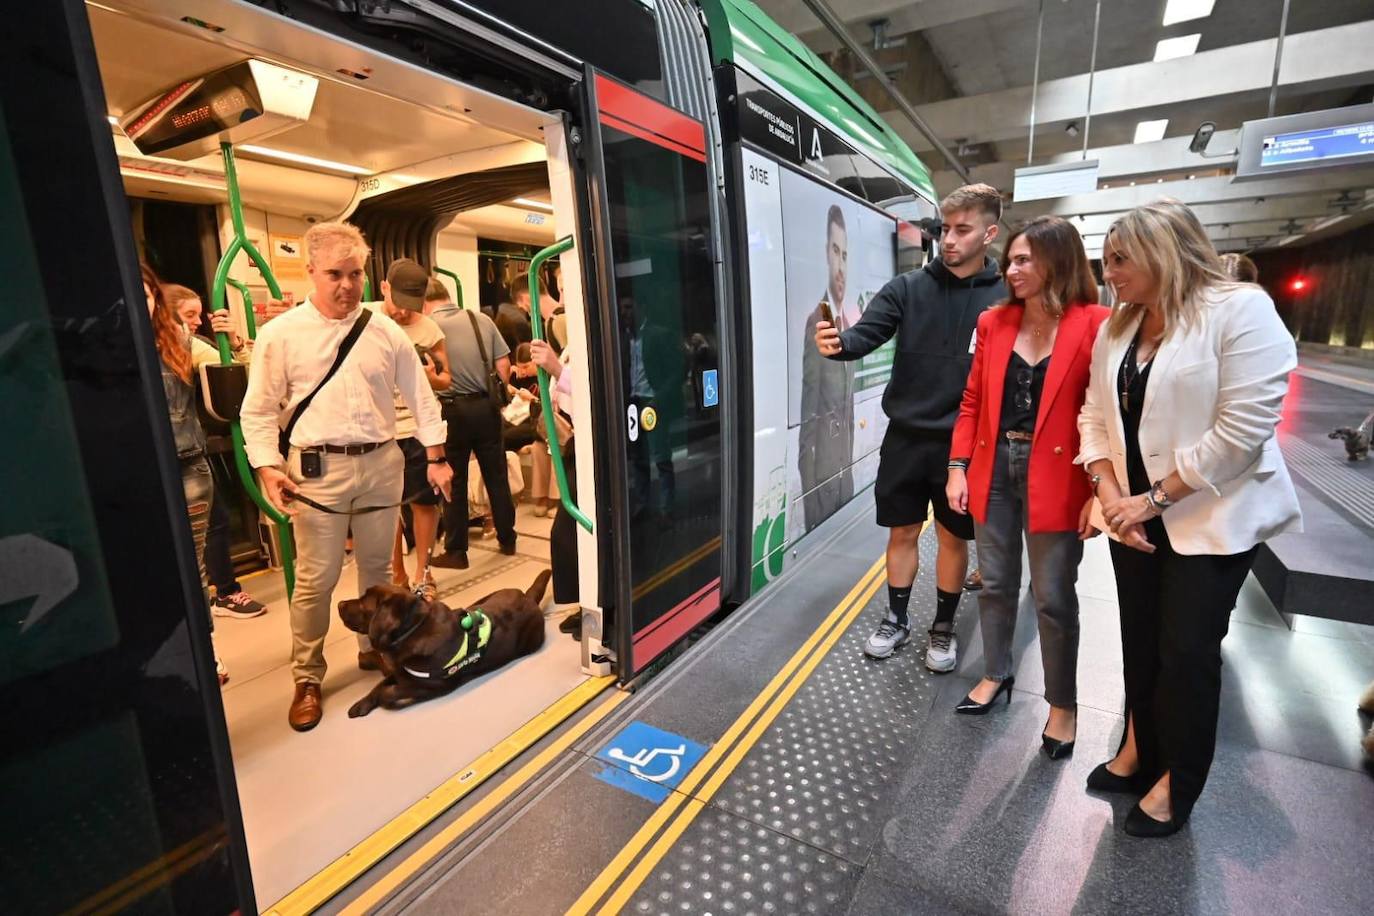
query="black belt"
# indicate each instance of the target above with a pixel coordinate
(293, 496)
(359, 449)
(1015, 435)
(465, 396)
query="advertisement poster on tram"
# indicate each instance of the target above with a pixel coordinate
(818, 435)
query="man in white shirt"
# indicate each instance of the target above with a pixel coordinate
(343, 454)
(403, 301)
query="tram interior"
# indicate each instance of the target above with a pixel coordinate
(307, 798)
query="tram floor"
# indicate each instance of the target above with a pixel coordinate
(864, 793)
(307, 798)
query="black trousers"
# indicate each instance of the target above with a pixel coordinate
(474, 428)
(1175, 611)
(563, 540)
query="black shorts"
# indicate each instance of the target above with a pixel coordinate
(417, 473)
(913, 468)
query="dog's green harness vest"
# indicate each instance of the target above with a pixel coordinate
(475, 634)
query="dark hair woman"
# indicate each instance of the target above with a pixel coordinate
(1011, 462)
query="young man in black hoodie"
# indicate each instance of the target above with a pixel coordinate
(934, 313)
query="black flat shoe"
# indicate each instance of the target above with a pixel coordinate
(1140, 824)
(971, 707)
(1104, 780)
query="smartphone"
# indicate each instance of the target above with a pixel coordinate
(311, 465)
(826, 313)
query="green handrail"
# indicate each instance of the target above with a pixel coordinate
(545, 400)
(286, 547)
(457, 284)
(248, 316)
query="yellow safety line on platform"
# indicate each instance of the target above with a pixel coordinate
(344, 870)
(478, 812)
(824, 636)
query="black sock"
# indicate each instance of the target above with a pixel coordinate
(946, 603)
(897, 599)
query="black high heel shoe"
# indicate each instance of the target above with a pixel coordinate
(1140, 824)
(971, 707)
(1102, 779)
(1053, 747)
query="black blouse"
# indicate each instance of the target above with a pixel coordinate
(1021, 393)
(1131, 382)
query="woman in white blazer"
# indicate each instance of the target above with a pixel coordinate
(1177, 431)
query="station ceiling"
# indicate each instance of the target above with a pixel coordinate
(969, 66)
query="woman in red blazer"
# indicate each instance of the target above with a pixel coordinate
(1011, 461)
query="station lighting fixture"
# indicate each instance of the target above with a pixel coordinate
(1150, 131)
(1298, 284)
(1187, 10)
(302, 159)
(1183, 46)
(537, 204)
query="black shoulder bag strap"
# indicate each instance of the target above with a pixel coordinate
(495, 387)
(284, 440)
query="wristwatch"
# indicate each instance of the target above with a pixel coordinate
(1159, 497)
(1093, 481)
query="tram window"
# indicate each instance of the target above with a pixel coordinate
(624, 42)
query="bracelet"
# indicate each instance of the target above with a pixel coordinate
(961, 465)
(437, 460)
(1093, 482)
(1159, 497)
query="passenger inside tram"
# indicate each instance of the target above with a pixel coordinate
(331, 167)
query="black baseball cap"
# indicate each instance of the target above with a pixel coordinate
(408, 282)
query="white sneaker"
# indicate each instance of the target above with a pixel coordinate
(942, 651)
(888, 638)
(221, 671)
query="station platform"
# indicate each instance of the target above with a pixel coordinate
(811, 779)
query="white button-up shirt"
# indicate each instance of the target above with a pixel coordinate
(292, 354)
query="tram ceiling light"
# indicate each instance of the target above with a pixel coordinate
(538, 204)
(1151, 131)
(1182, 46)
(1186, 10)
(301, 159)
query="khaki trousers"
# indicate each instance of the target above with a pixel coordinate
(349, 483)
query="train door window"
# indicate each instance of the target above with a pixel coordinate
(661, 284)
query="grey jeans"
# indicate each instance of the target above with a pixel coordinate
(1054, 559)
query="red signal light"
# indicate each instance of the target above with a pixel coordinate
(1298, 285)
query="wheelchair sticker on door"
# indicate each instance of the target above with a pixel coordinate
(647, 761)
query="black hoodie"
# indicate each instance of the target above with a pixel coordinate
(934, 315)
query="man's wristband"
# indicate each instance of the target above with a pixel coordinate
(961, 464)
(440, 460)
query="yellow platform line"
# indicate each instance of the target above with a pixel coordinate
(694, 806)
(665, 812)
(344, 870)
(478, 812)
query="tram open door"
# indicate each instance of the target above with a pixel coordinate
(656, 333)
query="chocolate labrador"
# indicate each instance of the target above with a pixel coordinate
(427, 649)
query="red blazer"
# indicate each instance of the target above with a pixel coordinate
(1056, 487)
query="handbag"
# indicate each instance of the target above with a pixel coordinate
(496, 388)
(284, 438)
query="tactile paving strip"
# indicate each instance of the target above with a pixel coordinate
(815, 787)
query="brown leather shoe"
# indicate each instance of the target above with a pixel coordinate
(306, 708)
(371, 660)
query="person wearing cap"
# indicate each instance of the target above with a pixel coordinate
(403, 301)
(341, 456)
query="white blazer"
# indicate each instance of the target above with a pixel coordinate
(1212, 403)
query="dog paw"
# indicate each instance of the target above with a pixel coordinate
(361, 708)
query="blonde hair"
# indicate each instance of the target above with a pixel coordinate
(1239, 267)
(984, 198)
(1166, 241)
(329, 236)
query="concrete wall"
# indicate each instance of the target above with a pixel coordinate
(1336, 306)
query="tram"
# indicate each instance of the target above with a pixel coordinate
(709, 188)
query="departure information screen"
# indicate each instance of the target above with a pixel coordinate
(1312, 146)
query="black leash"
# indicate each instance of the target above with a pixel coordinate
(292, 496)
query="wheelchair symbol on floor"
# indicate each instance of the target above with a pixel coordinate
(640, 761)
(647, 761)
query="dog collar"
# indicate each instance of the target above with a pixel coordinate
(476, 633)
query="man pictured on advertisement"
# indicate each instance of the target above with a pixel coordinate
(934, 314)
(826, 445)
